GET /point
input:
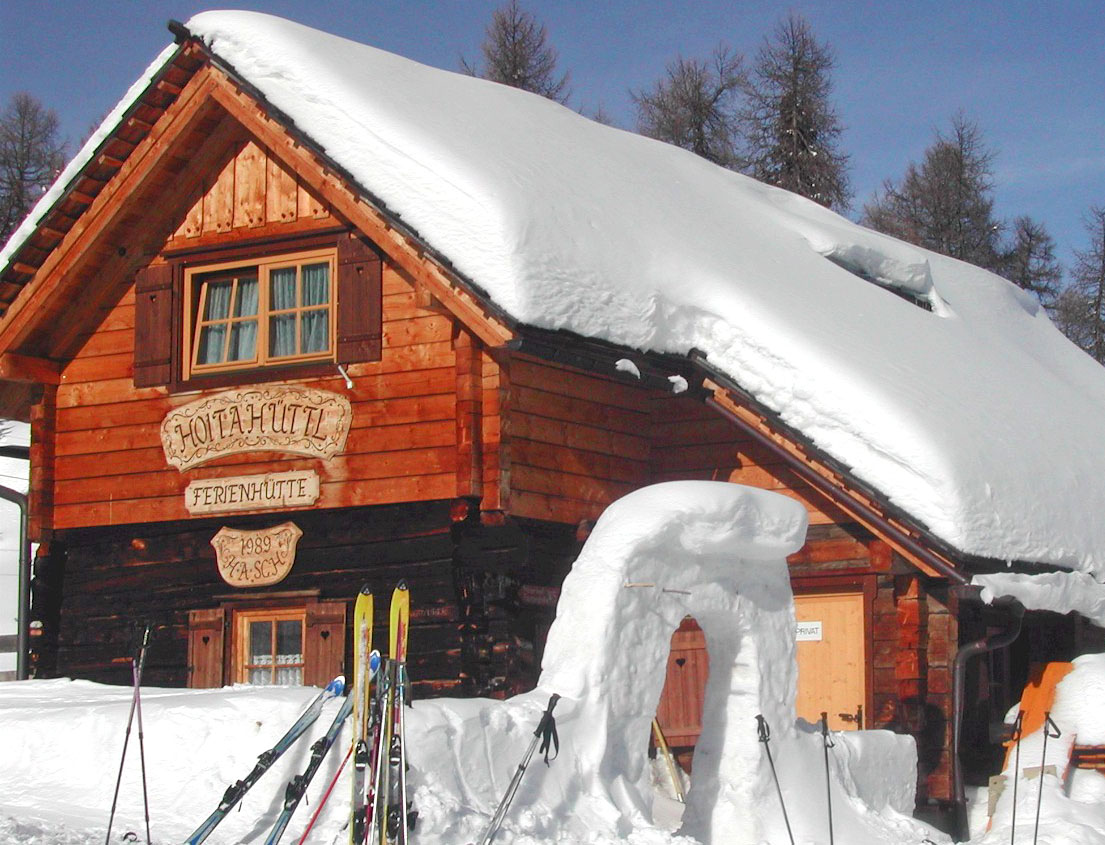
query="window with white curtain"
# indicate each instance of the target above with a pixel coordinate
(278, 310)
(269, 647)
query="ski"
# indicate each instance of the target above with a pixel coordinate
(297, 786)
(362, 645)
(390, 812)
(377, 762)
(235, 791)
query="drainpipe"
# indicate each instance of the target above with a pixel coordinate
(1015, 611)
(24, 589)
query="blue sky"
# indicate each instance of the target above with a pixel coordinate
(1032, 74)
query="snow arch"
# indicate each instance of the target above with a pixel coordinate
(712, 550)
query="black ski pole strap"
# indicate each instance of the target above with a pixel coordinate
(546, 729)
(763, 731)
(1050, 728)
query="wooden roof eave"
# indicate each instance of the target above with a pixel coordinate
(102, 244)
(297, 151)
(916, 544)
(86, 184)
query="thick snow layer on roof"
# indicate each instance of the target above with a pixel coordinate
(1059, 592)
(977, 417)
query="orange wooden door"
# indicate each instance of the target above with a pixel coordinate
(831, 668)
(680, 710)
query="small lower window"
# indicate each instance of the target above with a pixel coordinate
(270, 647)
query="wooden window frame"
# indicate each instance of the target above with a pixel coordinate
(163, 339)
(241, 620)
(194, 300)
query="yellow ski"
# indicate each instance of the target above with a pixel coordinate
(362, 646)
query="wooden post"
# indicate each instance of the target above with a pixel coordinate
(469, 416)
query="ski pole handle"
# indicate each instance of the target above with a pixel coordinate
(825, 735)
(548, 714)
(763, 731)
(1049, 726)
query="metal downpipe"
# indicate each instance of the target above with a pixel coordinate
(22, 640)
(962, 655)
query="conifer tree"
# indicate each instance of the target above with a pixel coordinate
(696, 106)
(945, 203)
(1080, 313)
(516, 52)
(792, 131)
(30, 158)
(1030, 263)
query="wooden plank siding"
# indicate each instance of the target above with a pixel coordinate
(689, 441)
(576, 441)
(109, 467)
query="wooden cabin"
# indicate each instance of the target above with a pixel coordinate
(252, 389)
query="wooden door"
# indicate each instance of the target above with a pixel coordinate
(680, 710)
(831, 665)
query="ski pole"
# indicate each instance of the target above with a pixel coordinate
(1018, 727)
(662, 744)
(141, 740)
(828, 743)
(764, 732)
(136, 674)
(546, 735)
(325, 796)
(1049, 726)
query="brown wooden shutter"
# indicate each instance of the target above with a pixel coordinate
(360, 275)
(205, 648)
(324, 649)
(154, 309)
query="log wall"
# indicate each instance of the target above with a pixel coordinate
(114, 578)
(109, 467)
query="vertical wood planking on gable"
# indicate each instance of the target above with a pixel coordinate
(252, 191)
(281, 194)
(250, 172)
(218, 202)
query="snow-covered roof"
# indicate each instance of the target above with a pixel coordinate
(972, 414)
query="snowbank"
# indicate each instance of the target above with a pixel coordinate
(715, 550)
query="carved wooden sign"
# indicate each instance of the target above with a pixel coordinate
(252, 492)
(276, 418)
(256, 558)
